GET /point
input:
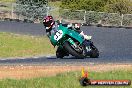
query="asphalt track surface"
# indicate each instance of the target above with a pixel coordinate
(114, 44)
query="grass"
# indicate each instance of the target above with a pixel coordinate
(7, 1)
(66, 80)
(12, 45)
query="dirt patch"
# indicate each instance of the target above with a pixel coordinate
(20, 72)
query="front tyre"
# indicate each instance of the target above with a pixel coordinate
(72, 51)
(59, 53)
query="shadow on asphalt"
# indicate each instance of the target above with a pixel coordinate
(54, 60)
(71, 57)
(40, 60)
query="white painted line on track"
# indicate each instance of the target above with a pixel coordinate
(48, 56)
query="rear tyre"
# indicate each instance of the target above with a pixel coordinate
(94, 53)
(72, 51)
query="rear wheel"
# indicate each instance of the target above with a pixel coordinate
(94, 52)
(72, 51)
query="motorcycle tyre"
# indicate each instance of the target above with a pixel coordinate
(59, 53)
(72, 51)
(94, 53)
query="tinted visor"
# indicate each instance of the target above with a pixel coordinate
(47, 24)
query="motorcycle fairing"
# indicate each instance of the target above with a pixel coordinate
(66, 32)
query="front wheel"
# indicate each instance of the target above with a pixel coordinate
(60, 53)
(72, 51)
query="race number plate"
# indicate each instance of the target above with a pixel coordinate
(58, 35)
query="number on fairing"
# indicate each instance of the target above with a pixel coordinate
(58, 35)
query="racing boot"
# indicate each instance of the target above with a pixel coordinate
(86, 36)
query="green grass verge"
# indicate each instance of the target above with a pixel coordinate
(12, 45)
(66, 80)
(8, 1)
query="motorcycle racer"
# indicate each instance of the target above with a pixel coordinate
(77, 27)
(52, 32)
(51, 27)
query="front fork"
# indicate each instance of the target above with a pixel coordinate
(86, 46)
(72, 42)
(75, 46)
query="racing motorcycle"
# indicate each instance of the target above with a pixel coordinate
(70, 42)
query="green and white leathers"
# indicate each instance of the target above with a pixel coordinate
(71, 42)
